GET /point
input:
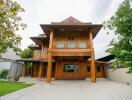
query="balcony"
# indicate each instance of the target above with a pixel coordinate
(71, 48)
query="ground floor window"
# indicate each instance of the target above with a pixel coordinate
(98, 69)
(70, 68)
(88, 68)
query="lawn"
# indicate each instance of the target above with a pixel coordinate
(8, 87)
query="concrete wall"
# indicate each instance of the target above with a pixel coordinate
(120, 75)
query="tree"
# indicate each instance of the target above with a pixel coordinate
(26, 53)
(121, 24)
(10, 22)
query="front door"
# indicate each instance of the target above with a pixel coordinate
(71, 71)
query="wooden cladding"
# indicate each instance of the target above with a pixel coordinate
(37, 54)
(78, 71)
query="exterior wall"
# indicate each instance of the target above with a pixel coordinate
(45, 53)
(36, 54)
(120, 75)
(63, 38)
(57, 70)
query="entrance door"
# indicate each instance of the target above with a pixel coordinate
(71, 71)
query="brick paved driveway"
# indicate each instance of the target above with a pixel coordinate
(73, 90)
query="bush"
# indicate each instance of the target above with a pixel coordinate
(3, 73)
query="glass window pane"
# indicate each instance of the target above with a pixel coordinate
(83, 45)
(71, 45)
(59, 45)
(70, 68)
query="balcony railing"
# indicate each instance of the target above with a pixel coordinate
(71, 44)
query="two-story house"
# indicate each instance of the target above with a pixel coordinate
(65, 51)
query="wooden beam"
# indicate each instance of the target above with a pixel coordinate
(93, 69)
(71, 50)
(24, 70)
(101, 62)
(40, 70)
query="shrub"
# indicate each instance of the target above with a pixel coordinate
(3, 73)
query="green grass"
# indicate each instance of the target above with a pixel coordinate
(8, 87)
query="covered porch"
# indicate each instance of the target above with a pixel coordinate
(35, 68)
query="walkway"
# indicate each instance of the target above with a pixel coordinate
(73, 90)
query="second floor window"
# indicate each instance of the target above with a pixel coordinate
(83, 45)
(59, 45)
(71, 45)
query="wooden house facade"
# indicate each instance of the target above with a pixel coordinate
(65, 51)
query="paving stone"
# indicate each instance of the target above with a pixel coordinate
(73, 90)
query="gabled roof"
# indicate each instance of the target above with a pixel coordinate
(70, 21)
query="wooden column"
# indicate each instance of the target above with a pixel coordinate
(24, 70)
(93, 69)
(32, 69)
(40, 70)
(49, 69)
(42, 53)
(105, 71)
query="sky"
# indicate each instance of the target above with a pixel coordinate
(46, 11)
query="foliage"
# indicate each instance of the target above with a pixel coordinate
(26, 53)
(4, 73)
(8, 87)
(121, 24)
(10, 22)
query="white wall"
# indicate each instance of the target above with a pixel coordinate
(5, 65)
(120, 75)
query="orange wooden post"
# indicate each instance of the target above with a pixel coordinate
(105, 71)
(48, 77)
(49, 69)
(40, 70)
(24, 70)
(32, 70)
(42, 53)
(93, 69)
